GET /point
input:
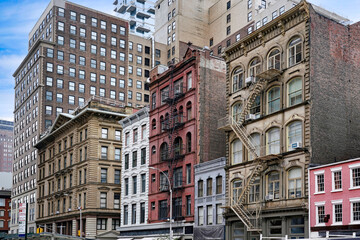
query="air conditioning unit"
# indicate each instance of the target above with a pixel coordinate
(250, 80)
(57, 212)
(250, 117)
(69, 210)
(296, 145)
(269, 197)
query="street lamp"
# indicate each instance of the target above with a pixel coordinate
(167, 178)
(80, 221)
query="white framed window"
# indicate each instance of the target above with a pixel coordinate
(354, 176)
(337, 215)
(336, 179)
(294, 183)
(320, 213)
(319, 181)
(200, 216)
(294, 135)
(273, 141)
(295, 51)
(355, 210)
(237, 151)
(209, 215)
(294, 91)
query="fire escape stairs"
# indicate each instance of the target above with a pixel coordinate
(252, 223)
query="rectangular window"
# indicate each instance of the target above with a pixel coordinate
(355, 177)
(320, 214)
(82, 18)
(209, 217)
(355, 212)
(134, 159)
(104, 133)
(320, 187)
(143, 182)
(336, 180)
(101, 223)
(133, 214)
(126, 180)
(103, 200)
(142, 212)
(209, 187)
(134, 179)
(103, 175)
(337, 215)
(94, 22)
(116, 200)
(200, 216)
(117, 154)
(188, 205)
(188, 173)
(104, 151)
(117, 177)
(219, 213)
(218, 184)
(143, 156)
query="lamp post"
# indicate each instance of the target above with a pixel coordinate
(80, 221)
(167, 178)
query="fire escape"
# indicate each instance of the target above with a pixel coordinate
(174, 120)
(250, 217)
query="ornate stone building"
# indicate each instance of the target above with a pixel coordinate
(290, 103)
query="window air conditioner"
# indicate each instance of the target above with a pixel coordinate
(269, 197)
(296, 145)
(250, 116)
(57, 212)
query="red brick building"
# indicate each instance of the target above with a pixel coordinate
(186, 101)
(5, 210)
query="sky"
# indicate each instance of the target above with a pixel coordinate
(17, 17)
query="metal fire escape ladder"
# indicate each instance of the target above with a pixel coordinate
(237, 205)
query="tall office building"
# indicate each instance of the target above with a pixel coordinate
(139, 13)
(74, 53)
(213, 23)
(6, 145)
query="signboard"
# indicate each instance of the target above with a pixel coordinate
(22, 219)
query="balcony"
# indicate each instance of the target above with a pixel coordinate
(132, 7)
(151, 10)
(142, 15)
(224, 124)
(142, 28)
(122, 7)
(269, 74)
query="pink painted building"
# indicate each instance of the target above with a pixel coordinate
(334, 198)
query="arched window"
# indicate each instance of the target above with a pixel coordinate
(178, 146)
(236, 150)
(294, 91)
(238, 78)
(236, 111)
(273, 185)
(255, 140)
(273, 98)
(188, 111)
(164, 150)
(294, 183)
(181, 114)
(254, 193)
(255, 67)
(153, 124)
(294, 135)
(188, 142)
(237, 186)
(295, 51)
(255, 107)
(273, 141)
(274, 59)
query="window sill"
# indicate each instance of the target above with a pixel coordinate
(354, 188)
(317, 193)
(354, 223)
(320, 225)
(336, 190)
(337, 224)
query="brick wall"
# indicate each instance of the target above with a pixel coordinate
(334, 87)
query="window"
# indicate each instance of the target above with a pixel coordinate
(200, 188)
(295, 91)
(94, 22)
(117, 176)
(237, 37)
(143, 182)
(274, 14)
(134, 159)
(60, 83)
(337, 212)
(219, 185)
(72, 43)
(294, 183)
(122, 43)
(121, 70)
(274, 59)
(104, 133)
(188, 205)
(115, 223)
(134, 179)
(209, 217)
(237, 187)
(102, 79)
(355, 176)
(282, 10)
(126, 214)
(336, 179)
(255, 140)
(209, 187)
(249, 18)
(188, 173)
(254, 193)
(101, 223)
(320, 214)
(103, 199)
(72, 72)
(104, 151)
(200, 216)
(82, 18)
(320, 185)
(236, 112)
(275, 226)
(60, 40)
(48, 96)
(228, 18)
(142, 212)
(237, 151)
(249, 4)
(294, 135)
(273, 141)
(102, 24)
(238, 77)
(264, 20)
(61, 12)
(103, 175)
(59, 97)
(48, 110)
(49, 67)
(273, 185)
(273, 98)
(123, 32)
(228, 5)
(255, 67)
(178, 177)
(126, 180)
(163, 209)
(143, 156)
(295, 51)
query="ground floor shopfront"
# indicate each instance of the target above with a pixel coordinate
(290, 222)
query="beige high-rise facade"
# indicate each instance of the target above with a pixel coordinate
(79, 166)
(213, 23)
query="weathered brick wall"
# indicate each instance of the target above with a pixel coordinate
(212, 106)
(335, 88)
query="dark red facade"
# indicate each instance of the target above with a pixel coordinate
(176, 133)
(5, 210)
